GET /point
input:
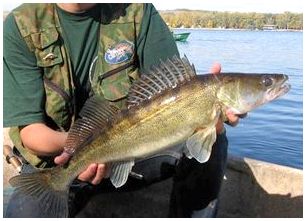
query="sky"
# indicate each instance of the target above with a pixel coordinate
(265, 6)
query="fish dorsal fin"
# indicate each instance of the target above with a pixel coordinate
(96, 115)
(168, 74)
(120, 172)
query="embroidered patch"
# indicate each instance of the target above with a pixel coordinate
(120, 52)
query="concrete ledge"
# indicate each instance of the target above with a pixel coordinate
(260, 189)
(251, 189)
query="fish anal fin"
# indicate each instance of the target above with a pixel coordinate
(119, 172)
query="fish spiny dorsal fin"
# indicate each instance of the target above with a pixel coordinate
(189, 68)
(96, 116)
(167, 75)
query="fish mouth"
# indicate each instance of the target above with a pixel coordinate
(280, 88)
(284, 89)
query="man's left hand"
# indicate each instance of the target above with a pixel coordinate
(94, 173)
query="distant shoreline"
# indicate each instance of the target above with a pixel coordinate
(238, 29)
(236, 20)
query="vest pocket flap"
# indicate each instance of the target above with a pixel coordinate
(47, 50)
(48, 57)
(44, 39)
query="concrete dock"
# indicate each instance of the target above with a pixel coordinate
(251, 189)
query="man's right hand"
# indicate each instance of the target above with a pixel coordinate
(43, 141)
(93, 174)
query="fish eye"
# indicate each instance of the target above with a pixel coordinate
(267, 81)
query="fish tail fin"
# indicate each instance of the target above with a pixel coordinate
(53, 198)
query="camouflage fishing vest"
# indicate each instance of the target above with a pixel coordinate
(110, 74)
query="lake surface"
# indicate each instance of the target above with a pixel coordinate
(273, 132)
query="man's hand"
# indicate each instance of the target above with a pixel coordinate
(93, 174)
(232, 118)
(43, 141)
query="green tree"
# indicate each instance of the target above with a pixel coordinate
(208, 19)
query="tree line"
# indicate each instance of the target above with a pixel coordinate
(237, 20)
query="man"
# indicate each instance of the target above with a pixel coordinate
(56, 56)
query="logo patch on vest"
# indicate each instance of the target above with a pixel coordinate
(120, 52)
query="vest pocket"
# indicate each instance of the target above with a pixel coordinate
(58, 105)
(116, 83)
(59, 102)
(48, 52)
(47, 48)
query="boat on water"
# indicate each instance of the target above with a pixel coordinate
(182, 37)
(269, 27)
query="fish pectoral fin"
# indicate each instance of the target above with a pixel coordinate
(200, 144)
(120, 172)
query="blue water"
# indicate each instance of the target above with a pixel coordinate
(273, 132)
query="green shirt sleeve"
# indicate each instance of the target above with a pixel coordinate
(155, 40)
(23, 89)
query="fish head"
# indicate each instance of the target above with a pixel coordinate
(241, 93)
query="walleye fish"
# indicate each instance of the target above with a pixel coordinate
(167, 106)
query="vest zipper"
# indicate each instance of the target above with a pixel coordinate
(114, 71)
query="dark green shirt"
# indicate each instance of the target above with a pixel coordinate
(24, 96)
(81, 36)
